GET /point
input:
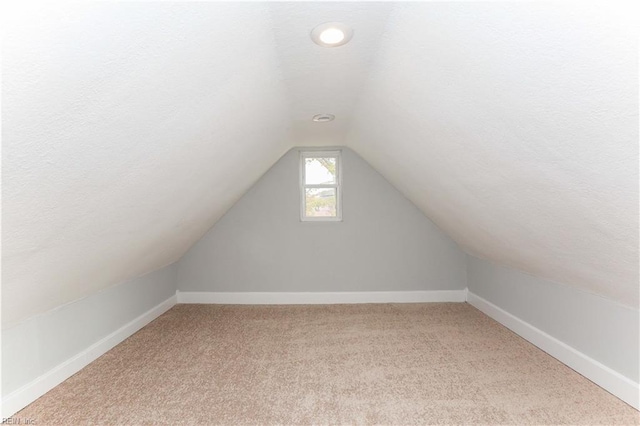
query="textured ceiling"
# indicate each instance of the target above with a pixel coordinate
(130, 128)
(514, 126)
(322, 80)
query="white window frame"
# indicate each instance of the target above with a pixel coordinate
(337, 154)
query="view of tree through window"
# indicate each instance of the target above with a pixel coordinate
(320, 187)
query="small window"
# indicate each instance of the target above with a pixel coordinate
(320, 186)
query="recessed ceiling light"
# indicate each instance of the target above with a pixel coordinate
(323, 118)
(331, 34)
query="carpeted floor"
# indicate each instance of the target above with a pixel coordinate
(441, 363)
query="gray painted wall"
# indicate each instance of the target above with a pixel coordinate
(40, 343)
(600, 328)
(384, 243)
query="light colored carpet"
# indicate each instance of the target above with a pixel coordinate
(441, 363)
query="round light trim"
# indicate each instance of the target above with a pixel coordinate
(323, 118)
(331, 34)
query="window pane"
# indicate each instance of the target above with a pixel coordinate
(320, 202)
(318, 170)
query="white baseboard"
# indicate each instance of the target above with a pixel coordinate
(28, 393)
(612, 381)
(321, 298)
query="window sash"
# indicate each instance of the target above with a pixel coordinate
(321, 185)
(320, 154)
(304, 155)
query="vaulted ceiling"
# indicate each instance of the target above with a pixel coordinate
(130, 128)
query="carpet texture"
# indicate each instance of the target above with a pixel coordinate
(392, 364)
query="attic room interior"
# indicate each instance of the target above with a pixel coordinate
(302, 213)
